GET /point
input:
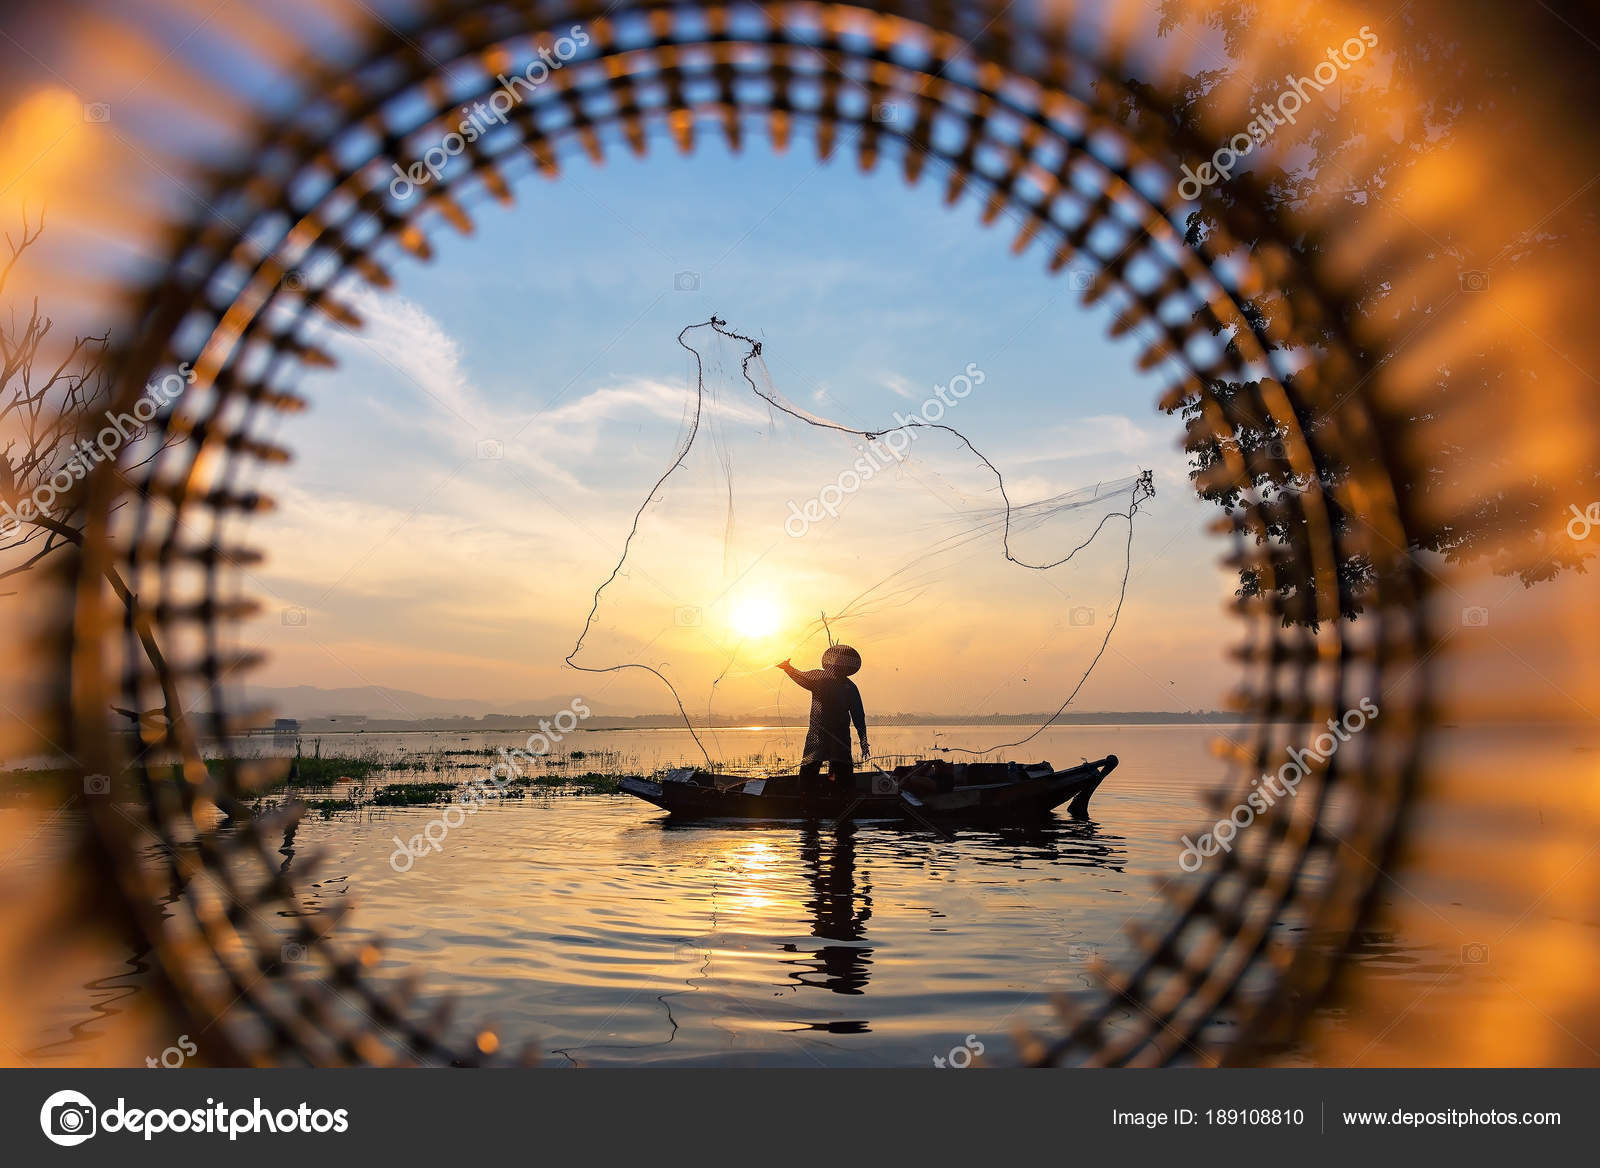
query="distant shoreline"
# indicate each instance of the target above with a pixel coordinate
(502, 724)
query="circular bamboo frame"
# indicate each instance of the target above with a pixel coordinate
(947, 92)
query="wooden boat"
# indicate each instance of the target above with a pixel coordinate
(932, 791)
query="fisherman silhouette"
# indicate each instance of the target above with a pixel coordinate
(835, 703)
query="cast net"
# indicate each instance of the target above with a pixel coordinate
(774, 529)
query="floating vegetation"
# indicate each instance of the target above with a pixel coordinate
(415, 794)
(329, 784)
(468, 779)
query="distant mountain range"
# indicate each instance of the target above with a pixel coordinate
(307, 702)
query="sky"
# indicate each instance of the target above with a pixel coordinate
(399, 557)
(466, 477)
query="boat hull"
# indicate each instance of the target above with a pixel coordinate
(1031, 797)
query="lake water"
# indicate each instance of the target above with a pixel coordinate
(591, 927)
(615, 937)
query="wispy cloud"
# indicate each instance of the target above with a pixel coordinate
(1099, 434)
(899, 386)
(557, 444)
(405, 337)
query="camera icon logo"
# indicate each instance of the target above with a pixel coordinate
(491, 450)
(1475, 617)
(97, 111)
(687, 616)
(1475, 281)
(67, 1118)
(1079, 280)
(884, 785)
(96, 784)
(886, 113)
(686, 282)
(1081, 617)
(293, 952)
(294, 617)
(294, 280)
(1476, 953)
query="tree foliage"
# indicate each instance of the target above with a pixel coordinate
(1428, 88)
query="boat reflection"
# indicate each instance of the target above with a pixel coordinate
(836, 861)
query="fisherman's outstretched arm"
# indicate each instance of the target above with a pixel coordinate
(804, 678)
(858, 715)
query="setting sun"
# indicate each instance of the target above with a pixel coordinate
(755, 618)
